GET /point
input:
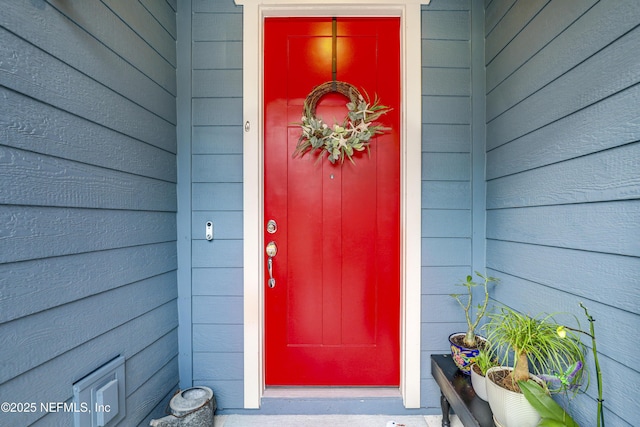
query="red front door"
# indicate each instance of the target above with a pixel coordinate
(332, 317)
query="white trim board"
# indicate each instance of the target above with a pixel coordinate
(254, 13)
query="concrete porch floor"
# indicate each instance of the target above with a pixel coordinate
(330, 420)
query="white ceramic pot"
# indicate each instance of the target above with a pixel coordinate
(510, 409)
(479, 384)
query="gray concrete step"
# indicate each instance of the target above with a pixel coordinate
(234, 420)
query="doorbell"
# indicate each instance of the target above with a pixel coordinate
(209, 231)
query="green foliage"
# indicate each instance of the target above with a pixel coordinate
(552, 414)
(534, 341)
(341, 140)
(594, 349)
(466, 302)
(485, 360)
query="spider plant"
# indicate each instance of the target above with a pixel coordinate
(485, 360)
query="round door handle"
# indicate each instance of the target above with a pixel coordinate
(271, 249)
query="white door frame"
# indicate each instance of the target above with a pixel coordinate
(254, 13)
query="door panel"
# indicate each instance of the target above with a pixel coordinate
(333, 316)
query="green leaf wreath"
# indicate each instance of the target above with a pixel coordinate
(340, 140)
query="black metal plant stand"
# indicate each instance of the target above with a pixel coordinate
(458, 394)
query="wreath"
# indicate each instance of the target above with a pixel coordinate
(342, 140)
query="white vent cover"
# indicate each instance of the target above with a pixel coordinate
(100, 396)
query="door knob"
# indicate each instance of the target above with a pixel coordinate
(272, 250)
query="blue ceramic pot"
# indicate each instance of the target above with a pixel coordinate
(462, 356)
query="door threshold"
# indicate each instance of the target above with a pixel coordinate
(280, 392)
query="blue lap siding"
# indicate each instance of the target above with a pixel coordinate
(121, 135)
(87, 207)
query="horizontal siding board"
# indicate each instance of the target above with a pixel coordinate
(516, 18)
(590, 82)
(434, 337)
(216, 27)
(109, 29)
(229, 393)
(215, 6)
(217, 140)
(47, 28)
(446, 81)
(217, 111)
(37, 232)
(608, 175)
(446, 195)
(446, 252)
(446, 25)
(144, 365)
(494, 12)
(600, 26)
(34, 179)
(217, 55)
(216, 168)
(216, 253)
(226, 224)
(439, 138)
(589, 271)
(552, 20)
(218, 366)
(446, 109)
(429, 390)
(23, 292)
(222, 338)
(216, 83)
(217, 310)
(446, 166)
(446, 53)
(51, 329)
(217, 281)
(217, 196)
(448, 5)
(40, 128)
(612, 227)
(55, 377)
(70, 90)
(620, 404)
(145, 399)
(605, 124)
(441, 309)
(441, 280)
(446, 223)
(138, 18)
(163, 13)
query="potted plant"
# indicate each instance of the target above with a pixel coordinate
(483, 362)
(550, 411)
(532, 344)
(466, 345)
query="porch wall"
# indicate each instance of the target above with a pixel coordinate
(216, 192)
(451, 201)
(563, 180)
(87, 202)
(214, 149)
